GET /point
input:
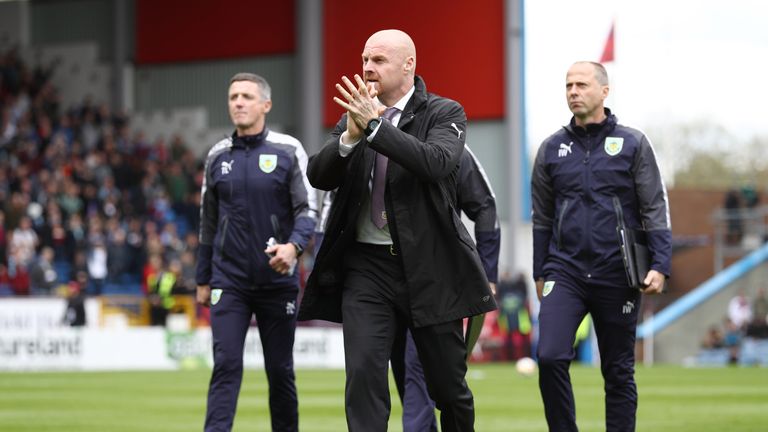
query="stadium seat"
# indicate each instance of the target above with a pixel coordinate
(713, 357)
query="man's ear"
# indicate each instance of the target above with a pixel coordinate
(410, 64)
(267, 106)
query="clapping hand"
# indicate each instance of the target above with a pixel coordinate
(360, 103)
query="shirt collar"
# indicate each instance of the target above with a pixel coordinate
(400, 105)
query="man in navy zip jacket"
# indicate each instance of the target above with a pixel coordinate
(255, 189)
(476, 199)
(584, 176)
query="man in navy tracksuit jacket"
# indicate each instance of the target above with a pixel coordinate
(581, 175)
(255, 188)
(476, 199)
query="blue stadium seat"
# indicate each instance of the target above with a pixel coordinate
(63, 270)
(112, 288)
(713, 357)
(754, 352)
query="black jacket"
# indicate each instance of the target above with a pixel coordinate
(476, 199)
(445, 277)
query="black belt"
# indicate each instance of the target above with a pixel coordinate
(389, 248)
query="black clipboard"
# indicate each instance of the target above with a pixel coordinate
(634, 250)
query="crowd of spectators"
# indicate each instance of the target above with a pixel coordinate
(86, 202)
(743, 336)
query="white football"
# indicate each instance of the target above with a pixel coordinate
(526, 366)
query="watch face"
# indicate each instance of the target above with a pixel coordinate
(371, 126)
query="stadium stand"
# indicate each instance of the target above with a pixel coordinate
(82, 181)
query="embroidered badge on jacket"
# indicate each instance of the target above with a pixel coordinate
(548, 287)
(215, 296)
(613, 145)
(267, 162)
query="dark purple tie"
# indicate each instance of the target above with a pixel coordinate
(378, 211)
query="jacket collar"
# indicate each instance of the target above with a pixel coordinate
(415, 104)
(593, 128)
(249, 140)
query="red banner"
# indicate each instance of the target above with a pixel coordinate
(459, 48)
(172, 31)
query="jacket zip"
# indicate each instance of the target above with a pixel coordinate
(223, 239)
(560, 225)
(588, 193)
(619, 211)
(247, 194)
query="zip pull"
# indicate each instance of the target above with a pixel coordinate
(619, 211)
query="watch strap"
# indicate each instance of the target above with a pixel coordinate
(372, 125)
(299, 249)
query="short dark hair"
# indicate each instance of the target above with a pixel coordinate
(264, 88)
(600, 73)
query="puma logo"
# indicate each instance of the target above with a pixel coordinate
(226, 167)
(564, 150)
(457, 129)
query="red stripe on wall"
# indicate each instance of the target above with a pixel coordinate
(192, 30)
(459, 48)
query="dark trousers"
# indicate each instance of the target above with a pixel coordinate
(614, 311)
(418, 408)
(275, 311)
(375, 308)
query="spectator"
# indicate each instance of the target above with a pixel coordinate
(169, 237)
(18, 276)
(78, 230)
(118, 257)
(97, 265)
(60, 239)
(42, 275)
(151, 272)
(74, 314)
(713, 339)
(758, 325)
(24, 242)
(135, 243)
(513, 316)
(176, 183)
(756, 329)
(169, 283)
(732, 340)
(70, 201)
(5, 281)
(188, 270)
(739, 310)
(16, 207)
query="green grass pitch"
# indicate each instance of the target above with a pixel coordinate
(671, 399)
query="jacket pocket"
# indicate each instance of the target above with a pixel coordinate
(461, 230)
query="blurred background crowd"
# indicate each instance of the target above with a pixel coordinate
(89, 206)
